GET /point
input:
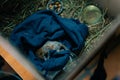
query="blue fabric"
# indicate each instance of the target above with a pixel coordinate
(45, 26)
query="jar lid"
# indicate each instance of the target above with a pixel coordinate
(55, 5)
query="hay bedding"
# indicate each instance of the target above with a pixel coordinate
(13, 12)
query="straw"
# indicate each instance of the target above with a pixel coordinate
(72, 9)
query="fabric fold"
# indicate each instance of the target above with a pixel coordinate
(45, 26)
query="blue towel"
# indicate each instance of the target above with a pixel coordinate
(45, 26)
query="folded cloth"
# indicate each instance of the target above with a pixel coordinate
(44, 26)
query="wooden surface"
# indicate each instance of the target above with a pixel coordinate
(112, 64)
(24, 69)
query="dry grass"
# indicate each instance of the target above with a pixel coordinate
(72, 9)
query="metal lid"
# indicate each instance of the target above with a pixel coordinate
(55, 5)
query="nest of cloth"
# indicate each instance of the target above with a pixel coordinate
(48, 40)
